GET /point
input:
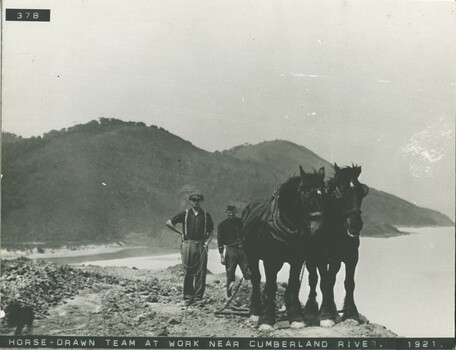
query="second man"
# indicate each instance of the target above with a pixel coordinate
(229, 237)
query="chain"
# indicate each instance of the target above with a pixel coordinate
(200, 262)
(232, 297)
(233, 244)
(303, 270)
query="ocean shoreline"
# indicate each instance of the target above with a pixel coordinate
(93, 252)
(83, 252)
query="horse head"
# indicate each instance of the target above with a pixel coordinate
(311, 192)
(348, 193)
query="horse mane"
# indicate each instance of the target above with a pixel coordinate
(287, 191)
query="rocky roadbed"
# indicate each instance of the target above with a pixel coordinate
(119, 301)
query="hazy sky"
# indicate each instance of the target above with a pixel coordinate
(370, 82)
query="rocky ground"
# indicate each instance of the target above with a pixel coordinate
(108, 301)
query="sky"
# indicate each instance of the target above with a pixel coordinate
(368, 82)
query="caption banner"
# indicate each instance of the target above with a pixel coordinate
(223, 343)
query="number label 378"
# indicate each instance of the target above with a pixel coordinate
(31, 15)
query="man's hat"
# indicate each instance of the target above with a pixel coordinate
(196, 196)
(230, 208)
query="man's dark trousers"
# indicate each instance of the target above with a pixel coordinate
(235, 256)
(194, 259)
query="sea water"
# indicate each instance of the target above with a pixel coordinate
(405, 283)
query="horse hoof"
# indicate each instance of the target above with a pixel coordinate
(297, 325)
(265, 327)
(254, 318)
(327, 323)
(352, 319)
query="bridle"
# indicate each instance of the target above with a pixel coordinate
(306, 198)
(356, 208)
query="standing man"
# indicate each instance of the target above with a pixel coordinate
(197, 228)
(229, 235)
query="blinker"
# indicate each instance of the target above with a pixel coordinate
(337, 193)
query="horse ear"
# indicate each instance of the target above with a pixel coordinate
(321, 172)
(336, 167)
(301, 171)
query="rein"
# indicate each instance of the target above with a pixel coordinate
(199, 263)
(231, 298)
(315, 214)
(303, 270)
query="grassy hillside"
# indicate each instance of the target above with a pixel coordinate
(100, 181)
(104, 180)
(280, 157)
(379, 208)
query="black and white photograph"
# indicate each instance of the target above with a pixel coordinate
(277, 172)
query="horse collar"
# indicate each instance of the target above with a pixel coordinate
(280, 223)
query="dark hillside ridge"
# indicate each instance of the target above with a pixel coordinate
(378, 208)
(101, 181)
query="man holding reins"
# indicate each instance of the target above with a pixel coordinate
(229, 236)
(197, 228)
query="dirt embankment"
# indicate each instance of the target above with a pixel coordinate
(108, 301)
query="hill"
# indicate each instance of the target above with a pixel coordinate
(100, 181)
(280, 157)
(379, 208)
(108, 179)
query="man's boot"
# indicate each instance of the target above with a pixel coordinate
(229, 289)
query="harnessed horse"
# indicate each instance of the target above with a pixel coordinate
(280, 230)
(340, 243)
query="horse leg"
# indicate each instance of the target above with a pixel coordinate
(334, 267)
(328, 311)
(350, 310)
(311, 307)
(271, 269)
(255, 299)
(292, 301)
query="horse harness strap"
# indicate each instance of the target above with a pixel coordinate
(355, 210)
(278, 222)
(352, 211)
(280, 230)
(186, 225)
(255, 220)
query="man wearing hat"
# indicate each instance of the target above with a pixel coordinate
(197, 228)
(229, 236)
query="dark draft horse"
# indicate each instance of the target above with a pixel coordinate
(279, 230)
(339, 243)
